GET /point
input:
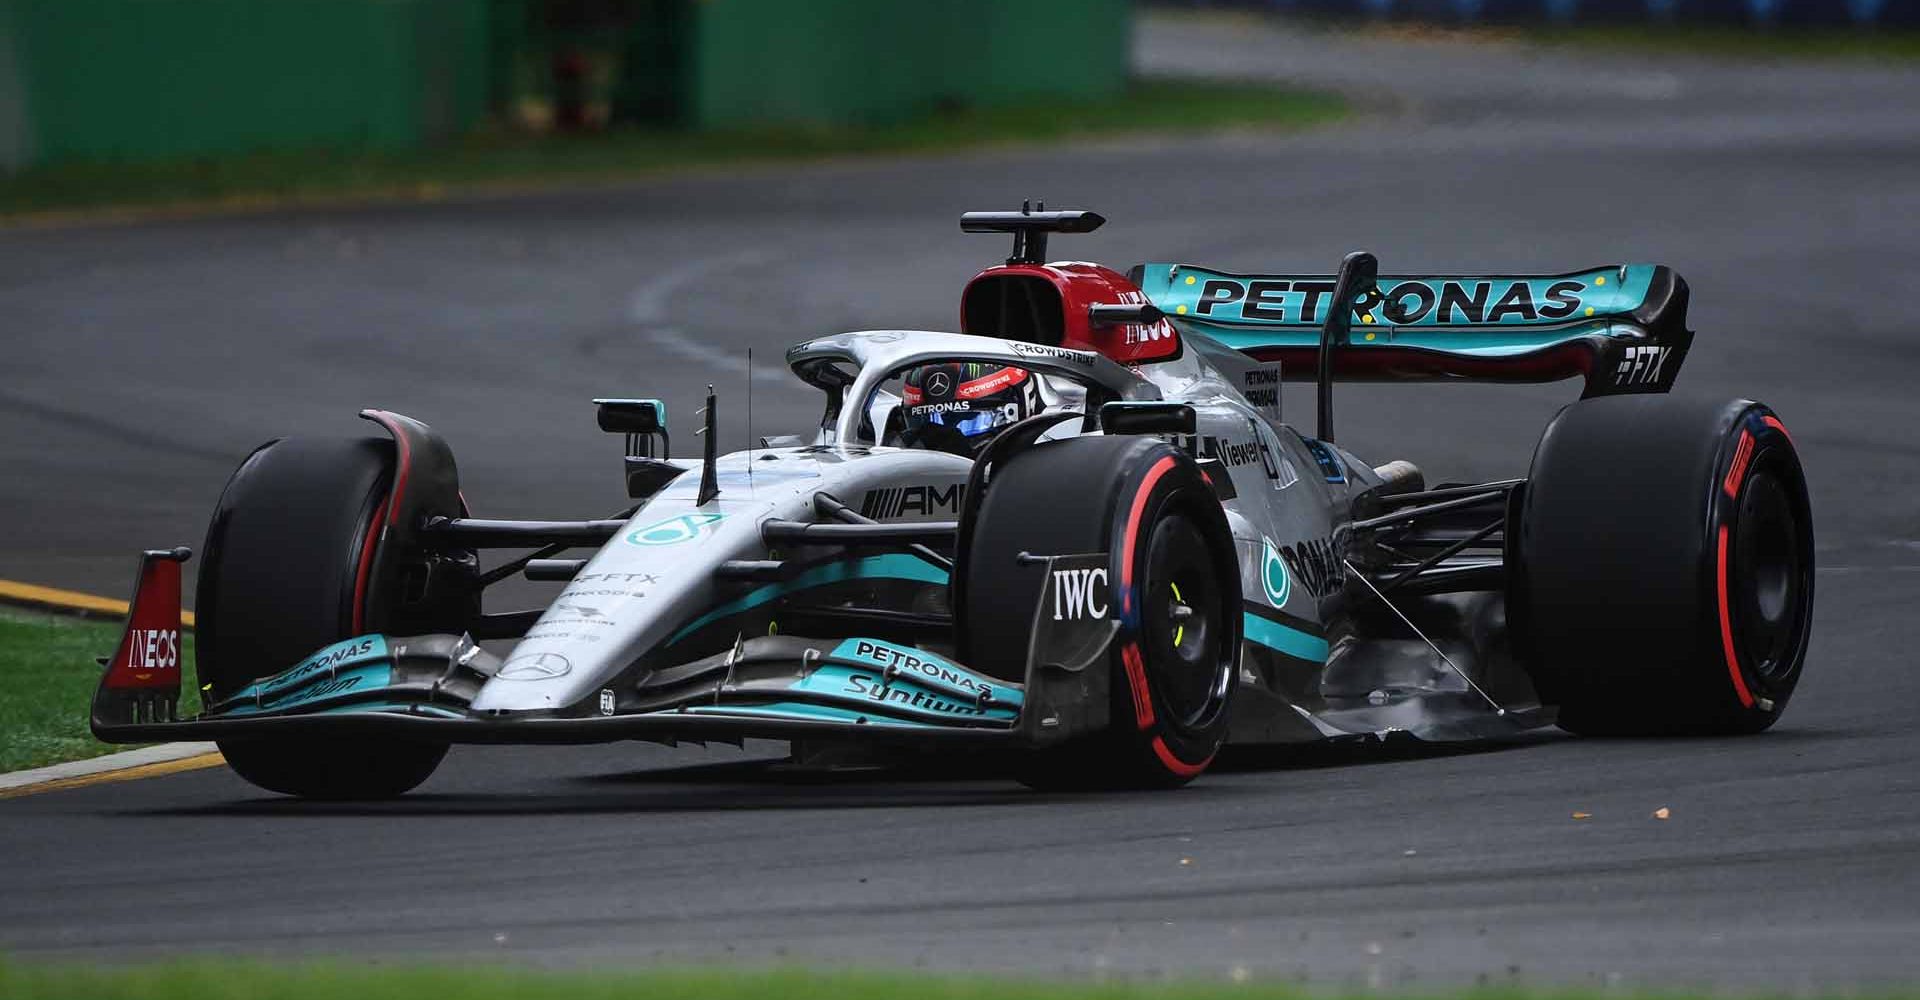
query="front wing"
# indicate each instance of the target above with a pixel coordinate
(773, 687)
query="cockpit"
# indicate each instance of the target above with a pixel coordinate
(951, 392)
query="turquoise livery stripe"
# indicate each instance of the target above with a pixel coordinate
(887, 567)
(1285, 639)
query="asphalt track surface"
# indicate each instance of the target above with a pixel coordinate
(141, 361)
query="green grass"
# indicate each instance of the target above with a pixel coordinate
(211, 980)
(49, 672)
(515, 160)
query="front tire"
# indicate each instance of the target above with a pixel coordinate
(1175, 590)
(1663, 567)
(286, 572)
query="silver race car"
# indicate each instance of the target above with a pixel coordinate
(1077, 535)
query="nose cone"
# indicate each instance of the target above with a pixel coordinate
(656, 572)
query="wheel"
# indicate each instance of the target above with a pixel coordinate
(285, 572)
(1175, 586)
(1662, 570)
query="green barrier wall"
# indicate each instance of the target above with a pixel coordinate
(166, 79)
(849, 61)
(173, 79)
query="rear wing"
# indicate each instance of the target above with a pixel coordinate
(1622, 327)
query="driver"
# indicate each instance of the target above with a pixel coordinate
(958, 407)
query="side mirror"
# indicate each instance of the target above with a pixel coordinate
(641, 420)
(1113, 313)
(632, 416)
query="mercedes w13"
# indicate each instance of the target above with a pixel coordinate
(1076, 535)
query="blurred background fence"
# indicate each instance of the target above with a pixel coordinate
(145, 80)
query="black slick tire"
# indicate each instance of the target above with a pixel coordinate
(1175, 659)
(284, 574)
(1662, 568)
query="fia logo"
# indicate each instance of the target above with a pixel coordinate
(674, 530)
(1077, 596)
(1641, 365)
(606, 701)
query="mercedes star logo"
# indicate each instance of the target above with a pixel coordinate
(534, 667)
(939, 384)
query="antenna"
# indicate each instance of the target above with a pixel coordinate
(709, 474)
(749, 417)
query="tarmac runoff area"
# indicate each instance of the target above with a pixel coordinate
(146, 360)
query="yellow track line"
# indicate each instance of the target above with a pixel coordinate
(70, 601)
(155, 770)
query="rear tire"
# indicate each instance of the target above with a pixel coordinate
(1172, 679)
(1663, 569)
(284, 574)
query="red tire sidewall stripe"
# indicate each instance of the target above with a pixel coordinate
(365, 570)
(1137, 685)
(1139, 509)
(1774, 422)
(1130, 654)
(383, 516)
(1742, 455)
(405, 462)
(1175, 764)
(1726, 629)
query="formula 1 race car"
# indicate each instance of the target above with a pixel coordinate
(1077, 533)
